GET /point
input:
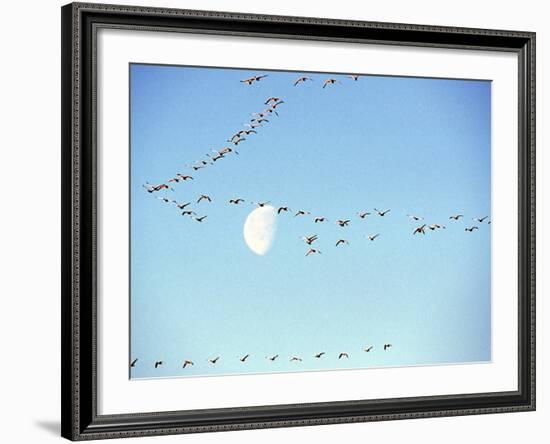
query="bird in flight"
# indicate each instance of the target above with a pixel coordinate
(186, 363)
(480, 219)
(165, 199)
(354, 77)
(312, 251)
(342, 222)
(244, 358)
(295, 358)
(436, 226)
(471, 229)
(133, 363)
(420, 229)
(456, 216)
(200, 219)
(386, 346)
(372, 237)
(302, 79)
(309, 239)
(301, 213)
(272, 358)
(413, 217)
(236, 201)
(236, 141)
(182, 205)
(188, 213)
(152, 188)
(329, 82)
(272, 100)
(226, 150)
(341, 241)
(214, 360)
(158, 364)
(320, 219)
(382, 213)
(343, 355)
(368, 349)
(204, 197)
(185, 177)
(363, 214)
(260, 120)
(275, 105)
(253, 79)
(319, 355)
(281, 209)
(262, 204)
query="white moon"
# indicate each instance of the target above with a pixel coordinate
(259, 229)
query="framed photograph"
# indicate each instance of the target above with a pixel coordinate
(280, 221)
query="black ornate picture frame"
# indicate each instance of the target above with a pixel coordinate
(80, 419)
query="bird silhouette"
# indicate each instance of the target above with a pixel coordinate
(382, 213)
(204, 197)
(386, 346)
(272, 358)
(343, 355)
(301, 213)
(165, 199)
(471, 229)
(319, 355)
(413, 217)
(272, 100)
(182, 205)
(373, 237)
(244, 358)
(312, 251)
(354, 77)
(341, 241)
(456, 216)
(329, 82)
(236, 201)
(295, 358)
(320, 219)
(342, 222)
(480, 219)
(262, 204)
(302, 79)
(200, 219)
(214, 360)
(363, 214)
(133, 363)
(309, 239)
(281, 209)
(186, 363)
(368, 349)
(253, 79)
(420, 229)
(436, 227)
(158, 364)
(188, 213)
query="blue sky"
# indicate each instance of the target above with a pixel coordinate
(414, 145)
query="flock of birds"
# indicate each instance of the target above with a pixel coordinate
(258, 119)
(244, 358)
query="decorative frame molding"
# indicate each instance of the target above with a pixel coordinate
(80, 420)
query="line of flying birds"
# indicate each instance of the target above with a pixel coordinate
(256, 121)
(294, 358)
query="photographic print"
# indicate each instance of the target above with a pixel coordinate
(285, 221)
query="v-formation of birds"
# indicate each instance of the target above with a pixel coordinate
(244, 358)
(271, 106)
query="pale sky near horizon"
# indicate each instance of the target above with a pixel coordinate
(414, 145)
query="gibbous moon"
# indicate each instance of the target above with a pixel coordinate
(259, 229)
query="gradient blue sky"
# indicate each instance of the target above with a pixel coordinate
(414, 145)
